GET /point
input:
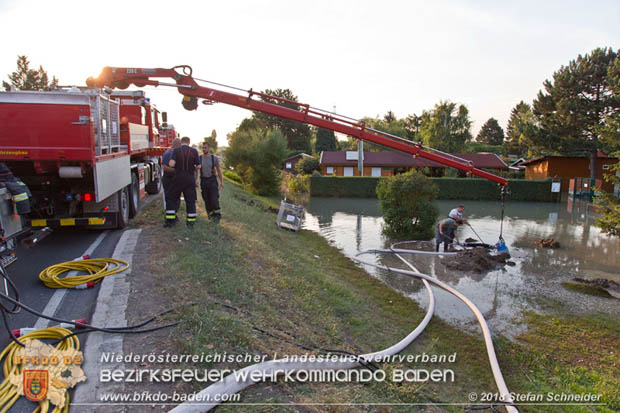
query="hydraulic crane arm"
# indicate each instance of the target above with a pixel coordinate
(116, 77)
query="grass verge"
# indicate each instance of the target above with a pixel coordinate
(264, 291)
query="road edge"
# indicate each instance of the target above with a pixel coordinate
(109, 312)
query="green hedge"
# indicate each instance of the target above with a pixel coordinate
(344, 187)
(449, 188)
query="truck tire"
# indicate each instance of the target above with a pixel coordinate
(154, 186)
(134, 195)
(122, 216)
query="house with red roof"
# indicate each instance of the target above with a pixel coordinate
(389, 163)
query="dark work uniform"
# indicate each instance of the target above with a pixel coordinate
(166, 180)
(209, 185)
(184, 181)
(18, 190)
(449, 231)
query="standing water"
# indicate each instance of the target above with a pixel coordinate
(533, 283)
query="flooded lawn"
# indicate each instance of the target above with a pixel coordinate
(534, 283)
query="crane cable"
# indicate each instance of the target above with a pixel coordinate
(97, 269)
(8, 391)
(501, 222)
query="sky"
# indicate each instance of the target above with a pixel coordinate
(362, 58)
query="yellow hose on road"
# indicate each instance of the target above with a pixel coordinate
(8, 392)
(97, 268)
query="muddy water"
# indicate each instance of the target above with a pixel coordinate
(534, 283)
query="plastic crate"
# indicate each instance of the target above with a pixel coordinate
(290, 216)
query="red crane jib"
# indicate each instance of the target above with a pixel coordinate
(121, 78)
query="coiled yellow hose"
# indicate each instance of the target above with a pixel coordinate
(97, 268)
(8, 392)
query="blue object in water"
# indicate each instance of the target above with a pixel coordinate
(501, 246)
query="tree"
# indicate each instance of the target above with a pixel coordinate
(407, 204)
(389, 117)
(446, 127)
(308, 165)
(609, 205)
(491, 133)
(325, 141)
(256, 155)
(412, 125)
(297, 134)
(25, 78)
(516, 126)
(609, 132)
(576, 103)
(350, 144)
(476, 147)
(389, 124)
(212, 141)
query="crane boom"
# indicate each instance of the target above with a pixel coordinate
(116, 77)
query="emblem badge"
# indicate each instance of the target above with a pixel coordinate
(36, 384)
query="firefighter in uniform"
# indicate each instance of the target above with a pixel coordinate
(209, 185)
(20, 192)
(166, 180)
(185, 160)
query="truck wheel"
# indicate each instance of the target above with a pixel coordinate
(154, 187)
(134, 195)
(122, 216)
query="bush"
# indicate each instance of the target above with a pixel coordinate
(609, 204)
(257, 155)
(299, 184)
(307, 166)
(231, 175)
(406, 202)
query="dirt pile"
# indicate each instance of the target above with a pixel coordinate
(547, 243)
(477, 260)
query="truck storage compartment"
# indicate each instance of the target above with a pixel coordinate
(67, 126)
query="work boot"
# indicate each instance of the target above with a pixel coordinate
(169, 223)
(190, 224)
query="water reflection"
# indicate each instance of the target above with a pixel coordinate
(354, 225)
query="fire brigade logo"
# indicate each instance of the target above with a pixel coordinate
(36, 384)
(47, 372)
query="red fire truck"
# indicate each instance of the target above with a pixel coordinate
(87, 155)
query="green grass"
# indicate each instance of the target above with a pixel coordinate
(246, 273)
(587, 289)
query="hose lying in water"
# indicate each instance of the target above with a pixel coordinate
(234, 383)
(497, 373)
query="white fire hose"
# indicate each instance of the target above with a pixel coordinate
(235, 382)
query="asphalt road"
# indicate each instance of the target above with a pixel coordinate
(62, 245)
